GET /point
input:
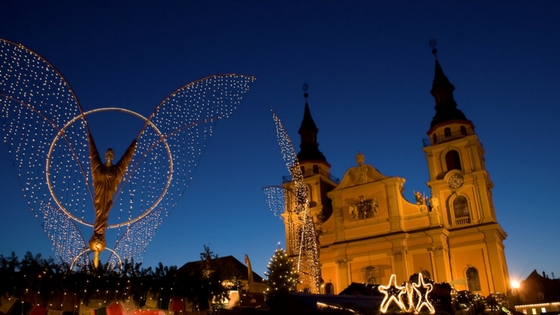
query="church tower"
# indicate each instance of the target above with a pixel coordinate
(462, 190)
(368, 232)
(314, 167)
(318, 182)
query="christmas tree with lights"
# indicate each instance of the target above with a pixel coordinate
(282, 277)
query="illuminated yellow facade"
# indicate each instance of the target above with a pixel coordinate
(368, 230)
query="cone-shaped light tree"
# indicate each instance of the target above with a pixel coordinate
(281, 275)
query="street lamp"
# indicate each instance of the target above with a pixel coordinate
(514, 287)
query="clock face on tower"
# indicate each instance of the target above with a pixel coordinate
(455, 181)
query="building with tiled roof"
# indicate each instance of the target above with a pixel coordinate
(538, 294)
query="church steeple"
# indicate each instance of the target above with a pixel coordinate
(442, 91)
(308, 132)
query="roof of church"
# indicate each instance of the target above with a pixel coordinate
(309, 147)
(442, 90)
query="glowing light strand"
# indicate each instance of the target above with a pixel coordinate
(36, 104)
(393, 294)
(186, 118)
(422, 290)
(299, 223)
(64, 234)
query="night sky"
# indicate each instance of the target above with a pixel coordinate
(369, 69)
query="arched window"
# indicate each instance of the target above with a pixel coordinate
(463, 131)
(447, 132)
(452, 160)
(434, 138)
(461, 208)
(473, 281)
(329, 288)
(315, 169)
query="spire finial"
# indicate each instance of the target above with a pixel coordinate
(308, 132)
(433, 44)
(442, 90)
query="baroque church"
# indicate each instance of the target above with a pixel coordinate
(368, 231)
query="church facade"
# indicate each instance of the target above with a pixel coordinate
(367, 231)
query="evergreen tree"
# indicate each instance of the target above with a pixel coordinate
(282, 277)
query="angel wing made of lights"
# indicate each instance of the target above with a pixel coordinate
(45, 130)
(292, 204)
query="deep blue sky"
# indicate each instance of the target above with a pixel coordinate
(369, 70)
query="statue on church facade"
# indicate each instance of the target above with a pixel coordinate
(420, 198)
(434, 204)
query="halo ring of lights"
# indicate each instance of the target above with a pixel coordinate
(127, 111)
(85, 251)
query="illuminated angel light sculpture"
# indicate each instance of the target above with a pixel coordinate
(293, 206)
(46, 132)
(394, 294)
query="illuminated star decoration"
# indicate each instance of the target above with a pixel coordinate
(409, 297)
(45, 130)
(423, 300)
(293, 206)
(393, 294)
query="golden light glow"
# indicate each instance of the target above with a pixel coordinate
(423, 300)
(292, 205)
(61, 134)
(394, 294)
(45, 130)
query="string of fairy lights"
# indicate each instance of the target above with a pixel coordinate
(292, 204)
(56, 221)
(35, 102)
(45, 131)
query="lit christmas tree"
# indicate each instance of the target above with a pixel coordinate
(282, 277)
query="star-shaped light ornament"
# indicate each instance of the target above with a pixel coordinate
(409, 298)
(393, 294)
(423, 300)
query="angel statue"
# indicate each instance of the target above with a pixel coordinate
(65, 180)
(106, 180)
